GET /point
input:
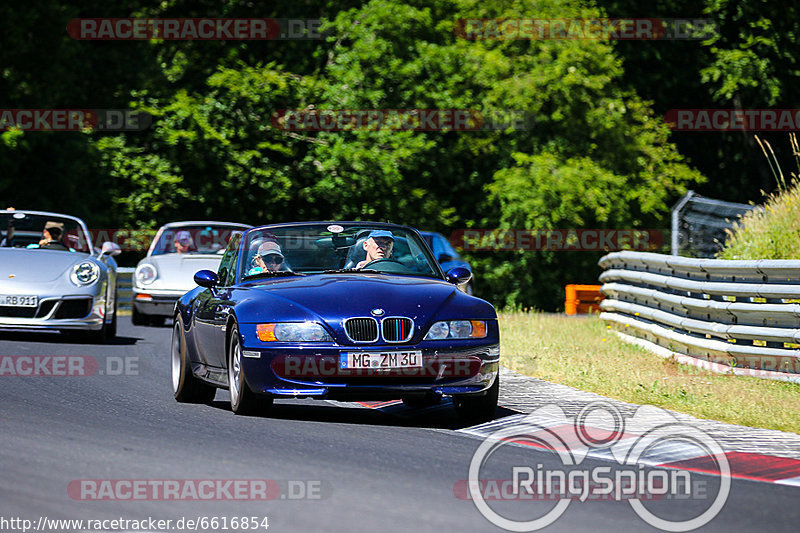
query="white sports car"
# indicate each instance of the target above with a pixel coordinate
(178, 250)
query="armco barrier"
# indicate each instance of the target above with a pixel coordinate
(740, 317)
(124, 284)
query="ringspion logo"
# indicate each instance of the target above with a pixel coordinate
(633, 446)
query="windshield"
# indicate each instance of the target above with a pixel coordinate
(19, 229)
(331, 248)
(196, 239)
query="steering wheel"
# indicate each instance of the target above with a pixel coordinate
(391, 265)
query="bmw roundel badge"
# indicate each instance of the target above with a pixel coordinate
(377, 312)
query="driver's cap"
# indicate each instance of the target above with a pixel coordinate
(380, 233)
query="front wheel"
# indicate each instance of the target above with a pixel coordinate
(185, 387)
(112, 327)
(243, 400)
(476, 408)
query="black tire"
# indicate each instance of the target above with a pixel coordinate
(138, 319)
(112, 327)
(478, 408)
(419, 402)
(186, 388)
(243, 400)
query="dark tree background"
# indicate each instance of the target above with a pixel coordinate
(597, 153)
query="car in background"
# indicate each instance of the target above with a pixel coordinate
(447, 256)
(166, 273)
(66, 285)
(299, 310)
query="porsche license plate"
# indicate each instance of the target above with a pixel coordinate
(394, 359)
(15, 300)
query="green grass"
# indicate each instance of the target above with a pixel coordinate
(583, 353)
(774, 231)
(769, 233)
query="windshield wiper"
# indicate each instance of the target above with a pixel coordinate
(278, 274)
(351, 271)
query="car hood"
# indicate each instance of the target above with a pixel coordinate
(331, 298)
(25, 265)
(176, 271)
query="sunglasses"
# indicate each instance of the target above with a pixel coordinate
(272, 258)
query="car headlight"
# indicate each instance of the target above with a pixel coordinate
(145, 274)
(85, 273)
(457, 329)
(292, 332)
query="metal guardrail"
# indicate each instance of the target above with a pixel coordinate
(124, 287)
(736, 316)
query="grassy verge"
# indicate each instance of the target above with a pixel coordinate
(582, 353)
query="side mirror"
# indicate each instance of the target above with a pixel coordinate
(206, 278)
(110, 248)
(459, 275)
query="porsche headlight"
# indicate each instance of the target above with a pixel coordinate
(292, 332)
(457, 329)
(85, 273)
(145, 274)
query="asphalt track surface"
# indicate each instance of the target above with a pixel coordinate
(368, 470)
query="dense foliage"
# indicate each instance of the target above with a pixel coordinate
(595, 154)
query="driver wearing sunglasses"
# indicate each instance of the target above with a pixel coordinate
(268, 258)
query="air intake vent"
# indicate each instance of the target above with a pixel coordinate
(17, 312)
(74, 308)
(362, 329)
(397, 329)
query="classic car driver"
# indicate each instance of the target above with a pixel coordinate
(378, 245)
(183, 242)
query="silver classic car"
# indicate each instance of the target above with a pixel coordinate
(177, 252)
(51, 277)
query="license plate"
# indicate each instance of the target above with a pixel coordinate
(409, 359)
(13, 300)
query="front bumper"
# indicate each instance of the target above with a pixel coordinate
(74, 312)
(304, 372)
(159, 302)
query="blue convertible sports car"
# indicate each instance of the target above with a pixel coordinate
(335, 310)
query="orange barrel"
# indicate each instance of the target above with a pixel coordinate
(582, 299)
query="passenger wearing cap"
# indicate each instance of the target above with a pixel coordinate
(183, 241)
(378, 245)
(268, 258)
